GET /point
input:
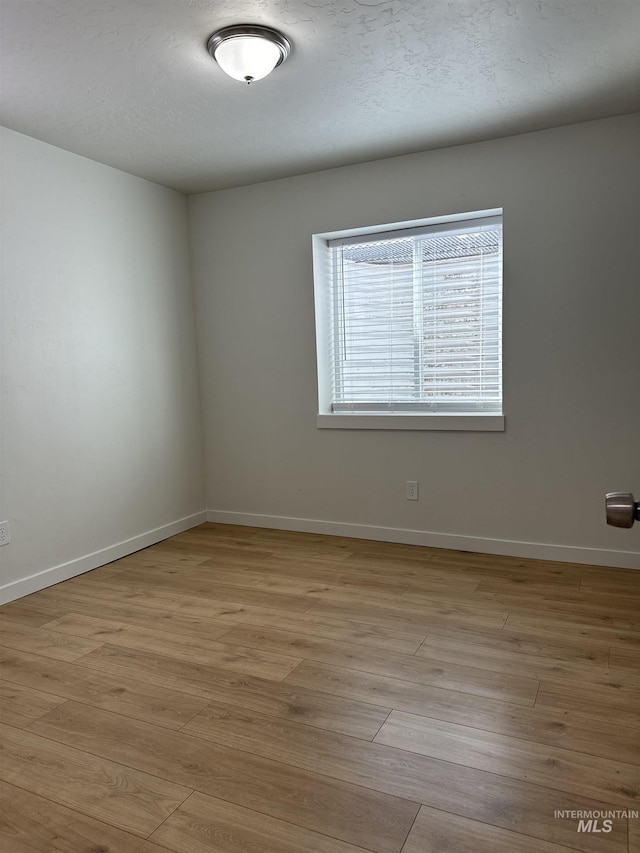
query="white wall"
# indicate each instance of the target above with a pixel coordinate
(571, 346)
(101, 433)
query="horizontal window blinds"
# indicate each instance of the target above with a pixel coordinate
(416, 319)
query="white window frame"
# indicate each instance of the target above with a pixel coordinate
(394, 420)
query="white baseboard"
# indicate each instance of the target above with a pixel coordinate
(503, 547)
(56, 574)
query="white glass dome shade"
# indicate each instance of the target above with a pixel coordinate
(248, 53)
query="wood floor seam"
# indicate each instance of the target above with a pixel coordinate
(404, 843)
(153, 831)
(133, 767)
(235, 749)
(78, 813)
(373, 739)
(536, 696)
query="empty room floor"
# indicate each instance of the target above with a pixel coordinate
(239, 690)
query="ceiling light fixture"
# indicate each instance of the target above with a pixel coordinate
(247, 52)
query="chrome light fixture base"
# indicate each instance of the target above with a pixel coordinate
(249, 31)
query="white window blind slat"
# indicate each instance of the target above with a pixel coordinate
(416, 319)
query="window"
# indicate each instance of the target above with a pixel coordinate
(409, 325)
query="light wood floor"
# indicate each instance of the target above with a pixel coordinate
(250, 691)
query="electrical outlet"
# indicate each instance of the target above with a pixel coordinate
(5, 538)
(412, 490)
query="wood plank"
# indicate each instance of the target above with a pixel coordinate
(207, 825)
(103, 789)
(540, 602)
(20, 706)
(466, 679)
(385, 558)
(439, 832)
(32, 824)
(216, 528)
(349, 812)
(167, 621)
(447, 595)
(391, 560)
(130, 696)
(542, 583)
(317, 578)
(319, 570)
(168, 563)
(226, 655)
(627, 583)
(532, 666)
(210, 589)
(156, 596)
(614, 631)
(227, 548)
(470, 611)
(467, 577)
(561, 769)
(179, 619)
(278, 541)
(84, 612)
(311, 542)
(597, 608)
(252, 560)
(395, 560)
(405, 615)
(555, 727)
(359, 633)
(452, 787)
(31, 611)
(525, 642)
(111, 571)
(52, 644)
(298, 585)
(599, 605)
(530, 585)
(489, 566)
(62, 594)
(156, 556)
(592, 700)
(470, 560)
(277, 699)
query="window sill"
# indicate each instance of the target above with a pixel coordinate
(470, 423)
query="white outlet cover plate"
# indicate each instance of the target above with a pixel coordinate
(412, 490)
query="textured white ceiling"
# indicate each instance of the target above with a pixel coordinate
(130, 83)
